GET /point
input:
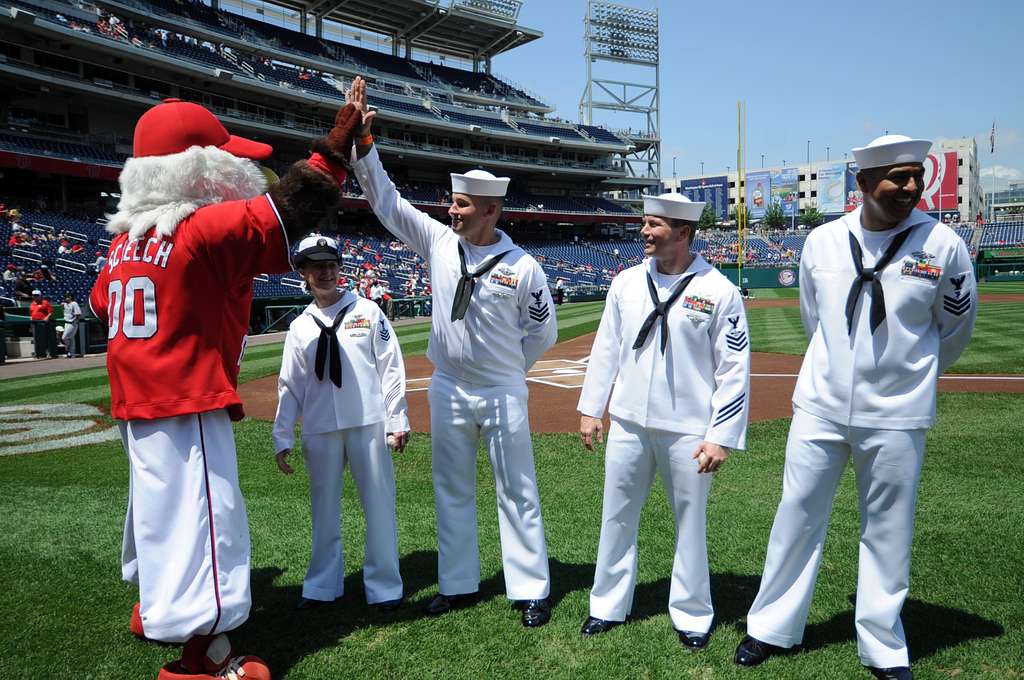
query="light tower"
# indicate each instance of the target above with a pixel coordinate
(626, 37)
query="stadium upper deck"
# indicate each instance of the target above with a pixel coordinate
(281, 85)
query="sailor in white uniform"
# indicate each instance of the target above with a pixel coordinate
(492, 319)
(888, 299)
(342, 373)
(674, 352)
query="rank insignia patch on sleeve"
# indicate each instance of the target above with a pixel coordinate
(736, 339)
(958, 303)
(539, 311)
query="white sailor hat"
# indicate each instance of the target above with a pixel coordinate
(673, 206)
(316, 248)
(479, 183)
(891, 150)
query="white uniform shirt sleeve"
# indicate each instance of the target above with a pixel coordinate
(808, 306)
(956, 306)
(603, 366)
(290, 392)
(391, 369)
(413, 227)
(730, 350)
(536, 315)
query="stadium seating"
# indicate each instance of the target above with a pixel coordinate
(58, 149)
(484, 121)
(1008, 234)
(541, 130)
(600, 134)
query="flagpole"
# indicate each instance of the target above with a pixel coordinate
(992, 153)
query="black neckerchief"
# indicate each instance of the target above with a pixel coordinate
(328, 339)
(660, 309)
(870, 275)
(464, 289)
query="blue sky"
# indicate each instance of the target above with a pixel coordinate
(836, 73)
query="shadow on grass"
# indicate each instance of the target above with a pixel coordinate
(286, 636)
(730, 593)
(930, 628)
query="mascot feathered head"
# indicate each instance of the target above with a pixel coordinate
(183, 159)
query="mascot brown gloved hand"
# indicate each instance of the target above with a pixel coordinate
(308, 194)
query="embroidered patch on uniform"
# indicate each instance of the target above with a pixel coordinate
(538, 310)
(736, 339)
(505, 276)
(921, 269)
(957, 304)
(357, 322)
(698, 304)
(730, 410)
(385, 334)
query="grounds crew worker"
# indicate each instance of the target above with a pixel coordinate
(342, 373)
(492, 319)
(673, 341)
(887, 296)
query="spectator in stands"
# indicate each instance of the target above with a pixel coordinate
(377, 294)
(10, 273)
(44, 339)
(101, 260)
(44, 274)
(72, 318)
(22, 288)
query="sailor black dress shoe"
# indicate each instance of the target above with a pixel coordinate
(692, 640)
(442, 604)
(894, 673)
(306, 603)
(752, 652)
(535, 612)
(596, 626)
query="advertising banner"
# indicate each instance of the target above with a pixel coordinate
(786, 190)
(831, 188)
(759, 189)
(939, 183)
(713, 190)
(939, 195)
(854, 197)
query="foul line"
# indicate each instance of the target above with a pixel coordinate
(544, 373)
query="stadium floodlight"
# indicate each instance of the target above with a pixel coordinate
(627, 36)
(623, 33)
(503, 9)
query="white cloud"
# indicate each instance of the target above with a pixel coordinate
(1003, 176)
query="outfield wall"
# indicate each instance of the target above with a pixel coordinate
(764, 277)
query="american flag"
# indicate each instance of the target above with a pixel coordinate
(992, 139)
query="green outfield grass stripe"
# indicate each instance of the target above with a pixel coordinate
(52, 378)
(55, 390)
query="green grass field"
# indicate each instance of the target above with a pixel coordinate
(66, 609)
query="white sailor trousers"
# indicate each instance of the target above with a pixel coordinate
(186, 534)
(460, 413)
(366, 451)
(887, 464)
(632, 457)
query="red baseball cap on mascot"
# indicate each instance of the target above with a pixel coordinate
(175, 125)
